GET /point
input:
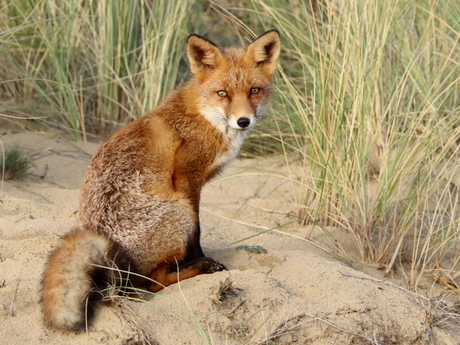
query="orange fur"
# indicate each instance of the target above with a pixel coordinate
(140, 198)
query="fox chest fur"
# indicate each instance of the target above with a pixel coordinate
(161, 155)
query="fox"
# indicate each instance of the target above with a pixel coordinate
(140, 199)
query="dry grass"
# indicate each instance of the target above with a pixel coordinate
(89, 65)
(375, 88)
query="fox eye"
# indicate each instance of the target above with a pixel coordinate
(222, 93)
(255, 90)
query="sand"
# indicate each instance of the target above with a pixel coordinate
(293, 293)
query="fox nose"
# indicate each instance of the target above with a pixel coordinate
(243, 122)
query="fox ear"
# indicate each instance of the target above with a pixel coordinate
(264, 51)
(203, 54)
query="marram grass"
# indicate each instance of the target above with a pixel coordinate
(91, 65)
(373, 94)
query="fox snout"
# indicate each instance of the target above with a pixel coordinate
(243, 122)
(241, 112)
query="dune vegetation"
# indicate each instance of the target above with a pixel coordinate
(367, 103)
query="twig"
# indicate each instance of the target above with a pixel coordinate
(42, 176)
(145, 333)
(385, 282)
(330, 323)
(36, 156)
(34, 192)
(13, 301)
(231, 312)
(277, 332)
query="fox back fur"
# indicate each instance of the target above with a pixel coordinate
(140, 198)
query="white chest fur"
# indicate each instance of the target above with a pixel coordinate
(234, 137)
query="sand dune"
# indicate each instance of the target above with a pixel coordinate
(293, 293)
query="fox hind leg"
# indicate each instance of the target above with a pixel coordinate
(168, 273)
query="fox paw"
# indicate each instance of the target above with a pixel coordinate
(212, 265)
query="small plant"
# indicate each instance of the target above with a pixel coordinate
(253, 249)
(224, 290)
(14, 165)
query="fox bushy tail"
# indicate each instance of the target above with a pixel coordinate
(73, 270)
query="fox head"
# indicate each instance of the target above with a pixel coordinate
(235, 83)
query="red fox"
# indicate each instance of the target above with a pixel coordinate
(140, 198)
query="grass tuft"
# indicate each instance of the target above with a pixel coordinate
(14, 164)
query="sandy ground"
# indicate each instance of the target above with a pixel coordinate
(293, 293)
